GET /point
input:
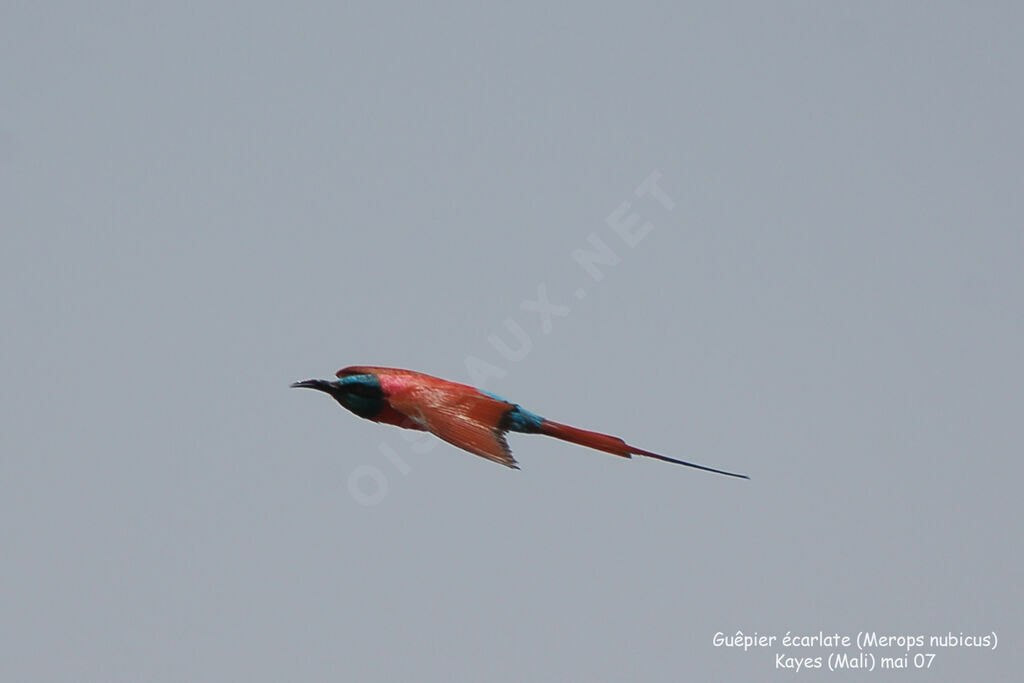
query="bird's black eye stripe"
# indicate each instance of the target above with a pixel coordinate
(364, 391)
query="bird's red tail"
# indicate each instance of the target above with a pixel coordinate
(614, 445)
(584, 437)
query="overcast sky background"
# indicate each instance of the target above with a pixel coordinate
(204, 202)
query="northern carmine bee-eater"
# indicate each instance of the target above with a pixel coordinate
(473, 420)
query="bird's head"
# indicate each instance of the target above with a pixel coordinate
(362, 394)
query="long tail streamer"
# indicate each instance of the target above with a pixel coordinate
(615, 445)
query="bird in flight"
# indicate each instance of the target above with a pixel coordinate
(464, 416)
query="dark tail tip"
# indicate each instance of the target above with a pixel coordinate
(690, 464)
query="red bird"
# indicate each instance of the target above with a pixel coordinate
(473, 420)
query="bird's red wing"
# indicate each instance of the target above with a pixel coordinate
(469, 420)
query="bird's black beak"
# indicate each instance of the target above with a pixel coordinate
(318, 384)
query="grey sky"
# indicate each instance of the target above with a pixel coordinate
(202, 203)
